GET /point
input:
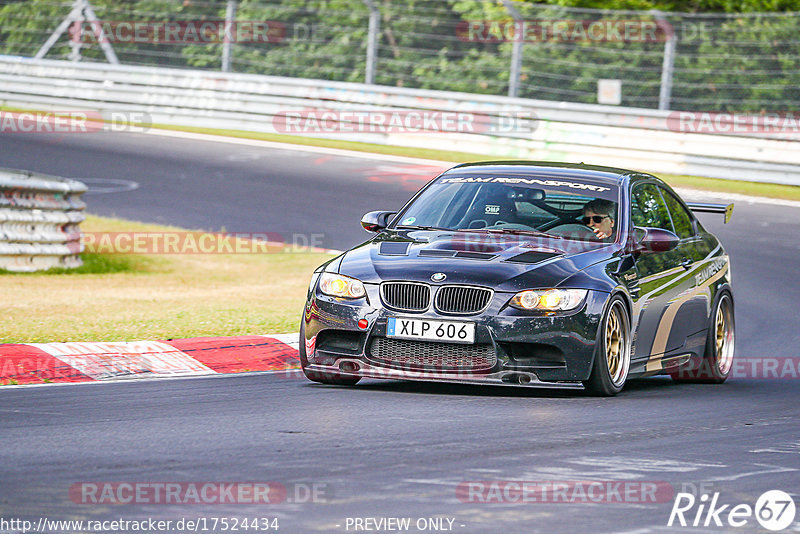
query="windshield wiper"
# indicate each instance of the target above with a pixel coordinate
(421, 227)
(519, 231)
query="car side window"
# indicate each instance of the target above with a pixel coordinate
(680, 217)
(648, 209)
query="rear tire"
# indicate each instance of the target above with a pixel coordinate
(612, 355)
(717, 362)
(316, 376)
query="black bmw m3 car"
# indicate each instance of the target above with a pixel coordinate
(528, 274)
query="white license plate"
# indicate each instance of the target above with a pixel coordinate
(431, 330)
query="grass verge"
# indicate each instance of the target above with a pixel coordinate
(116, 297)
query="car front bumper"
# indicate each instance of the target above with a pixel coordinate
(517, 348)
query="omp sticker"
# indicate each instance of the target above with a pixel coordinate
(103, 361)
(492, 209)
(409, 220)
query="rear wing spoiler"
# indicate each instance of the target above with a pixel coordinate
(712, 208)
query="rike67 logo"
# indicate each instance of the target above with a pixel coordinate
(774, 510)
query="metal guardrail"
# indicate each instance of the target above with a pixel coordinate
(746, 61)
(39, 221)
(608, 135)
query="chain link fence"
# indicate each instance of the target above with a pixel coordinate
(695, 62)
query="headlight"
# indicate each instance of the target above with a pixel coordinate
(337, 285)
(549, 299)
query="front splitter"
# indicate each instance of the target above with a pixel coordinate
(501, 378)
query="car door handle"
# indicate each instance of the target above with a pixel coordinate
(686, 263)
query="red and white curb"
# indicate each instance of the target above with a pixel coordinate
(36, 363)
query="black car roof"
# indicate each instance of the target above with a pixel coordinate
(611, 175)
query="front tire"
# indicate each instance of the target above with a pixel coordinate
(612, 355)
(316, 376)
(717, 361)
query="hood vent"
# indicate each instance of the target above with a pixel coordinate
(434, 253)
(394, 248)
(533, 256)
(475, 255)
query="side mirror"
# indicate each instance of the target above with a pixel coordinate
(375, 221)
(650, 240)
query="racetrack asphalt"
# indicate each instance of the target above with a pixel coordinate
(304, 196)
(389, 449)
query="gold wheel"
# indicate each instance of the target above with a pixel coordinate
(717, 360)
(612, 344)
(723, 335)
(616, 344)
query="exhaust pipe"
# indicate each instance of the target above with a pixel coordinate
(516, 378)
(349, 367)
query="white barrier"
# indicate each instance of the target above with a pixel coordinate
(605, 135)
(39, 221)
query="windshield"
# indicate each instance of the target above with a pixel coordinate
(562, 207)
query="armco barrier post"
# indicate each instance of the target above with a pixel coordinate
(668, 65)
(516, 53)
(227, 44)
(372, 41)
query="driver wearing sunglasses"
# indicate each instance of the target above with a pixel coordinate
(599, 216)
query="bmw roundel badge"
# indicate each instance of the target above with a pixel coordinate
(438, 277)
